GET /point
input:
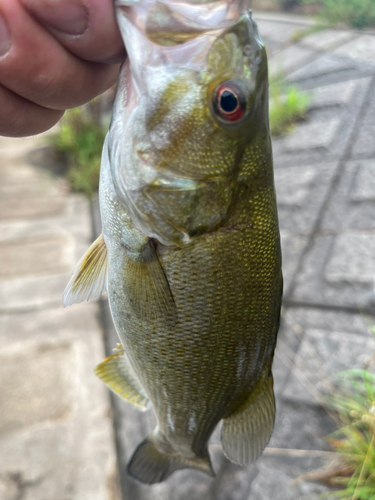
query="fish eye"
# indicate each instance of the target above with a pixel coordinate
(229, 102)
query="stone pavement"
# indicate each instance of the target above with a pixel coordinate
(324, 173)
(56, 432)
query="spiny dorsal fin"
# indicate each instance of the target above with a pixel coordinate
(117, 373)
(89, 278)
(247, 431)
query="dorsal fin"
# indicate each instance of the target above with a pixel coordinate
(89, 278)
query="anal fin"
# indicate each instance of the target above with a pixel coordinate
(89, 278)
(247, 431)
(117, 373)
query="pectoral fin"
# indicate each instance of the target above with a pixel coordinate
(117, 373)
(147, 286)
(247, 431)
(89, 278)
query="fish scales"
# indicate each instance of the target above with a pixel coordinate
(191, 239)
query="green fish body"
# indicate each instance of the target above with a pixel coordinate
(190, 251)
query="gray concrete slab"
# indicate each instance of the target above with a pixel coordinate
(56, 430)
(314, 285)
(360, 49)
(364, 145)
(281, 479)
(328, 39)
(301, 193)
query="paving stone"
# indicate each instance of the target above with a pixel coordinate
(18, 173)
(32, 207)
(300, 195)
(56, 434)
(301, 426)
(312, 287)
(27, 330)
(10, 147)
(38, 228)
(364, 186)
(364, 146)
(284, 17)
(323, 354)
(36, 256)
(281, 367)
(298, 148)
(351, 207)
(289, 59)
(360, 49)
(278, 480)
(45, 453)
(302, 318)
(321, 66)
(25, 374)
(234, 482)
(352, 259)
(33, 292)
(292, 247)
(337, 94)
(327, 39)
(279, 33)
(313, 134)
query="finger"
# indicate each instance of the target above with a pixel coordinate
(87, 28)
(39, 69)
(20, 117)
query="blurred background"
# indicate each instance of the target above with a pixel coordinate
(62, 435)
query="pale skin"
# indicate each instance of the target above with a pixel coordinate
(54, 55)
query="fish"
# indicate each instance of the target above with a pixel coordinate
(190, 249)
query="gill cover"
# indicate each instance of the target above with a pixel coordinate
(183, 112)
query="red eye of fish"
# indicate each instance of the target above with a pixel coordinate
(229, 102)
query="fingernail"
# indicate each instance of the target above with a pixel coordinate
(69, 17)
(4, 37)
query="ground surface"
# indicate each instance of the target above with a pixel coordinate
(56, 432)
(56, 439)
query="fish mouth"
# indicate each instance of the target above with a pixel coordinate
(179, 31)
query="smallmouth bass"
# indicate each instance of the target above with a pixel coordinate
(190, 251)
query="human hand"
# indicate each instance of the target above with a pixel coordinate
(54, 55)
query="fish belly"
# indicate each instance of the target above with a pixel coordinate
(201, 365)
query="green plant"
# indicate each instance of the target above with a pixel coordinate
(287, 106)
(80, 140)
(355, 441)
(288, 4)
(356, 13)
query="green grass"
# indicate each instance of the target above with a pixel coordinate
(356, 13)
(80, 140)
(287, 106)
(355, 441)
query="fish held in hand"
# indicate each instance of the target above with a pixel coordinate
(190, 251)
